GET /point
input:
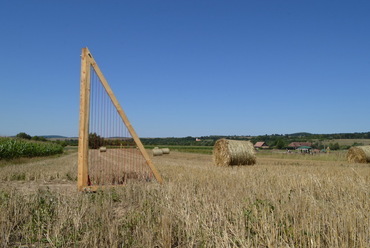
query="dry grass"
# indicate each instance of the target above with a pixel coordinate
(41, 169)
(278, 202)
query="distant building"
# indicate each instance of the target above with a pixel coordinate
(197, 139)
(295, 145)
(261, 144)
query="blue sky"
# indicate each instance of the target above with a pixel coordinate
(189, 68)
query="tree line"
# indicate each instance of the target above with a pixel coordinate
(279, 141)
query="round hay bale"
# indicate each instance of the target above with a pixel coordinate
(233, 152)
(358, 154)
(157, 152)
(166, 150)
(102, 149)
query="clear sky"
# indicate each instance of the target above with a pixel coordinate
(189, 67)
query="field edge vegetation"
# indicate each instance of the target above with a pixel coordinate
(14, 148)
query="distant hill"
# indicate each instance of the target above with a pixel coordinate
(301, 134)
(53, 136)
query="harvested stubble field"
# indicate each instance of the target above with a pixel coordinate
(279, 202)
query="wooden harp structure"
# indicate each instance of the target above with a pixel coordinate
(110, 152)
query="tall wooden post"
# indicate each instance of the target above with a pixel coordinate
(83, 140)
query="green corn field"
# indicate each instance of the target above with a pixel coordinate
(16, 148)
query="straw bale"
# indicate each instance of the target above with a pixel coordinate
(157, 152)
(102, 149)
(359, 154)
(166, 150)
(233, 152)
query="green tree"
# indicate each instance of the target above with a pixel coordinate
(357, 144)
(334, 146)
(95, 141)
(23, 135)
(280, 144)
(39, 138)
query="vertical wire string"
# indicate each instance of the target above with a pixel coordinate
(96, 121)
(101, 118)
(110, 139)
(105, 133)
(91, 128)
(116, 143)
(120, 146)
(131, 157)
(127, 167)
(109, 165)
(95, 99)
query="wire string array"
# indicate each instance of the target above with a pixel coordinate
(113, 155)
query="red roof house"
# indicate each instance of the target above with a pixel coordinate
(261, 144)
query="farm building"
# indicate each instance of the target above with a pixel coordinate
(305, 149)
(261, 144)
(295, 145)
